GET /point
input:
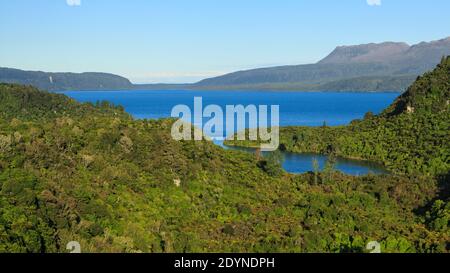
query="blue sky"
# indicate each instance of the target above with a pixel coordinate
(186, 40)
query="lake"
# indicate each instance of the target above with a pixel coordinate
(296, 108)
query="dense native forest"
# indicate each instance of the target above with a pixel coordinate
(412, 136)
(93, 174)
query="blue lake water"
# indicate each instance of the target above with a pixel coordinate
(296, 108)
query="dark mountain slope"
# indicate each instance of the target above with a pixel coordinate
(368, 53)
(65, 81)
(308, 74)
(363, 63)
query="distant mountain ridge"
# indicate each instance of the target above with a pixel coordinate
(65, 81)
(387, 66)
(366, 53)
(393, 65)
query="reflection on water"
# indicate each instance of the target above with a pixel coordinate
(302, 163)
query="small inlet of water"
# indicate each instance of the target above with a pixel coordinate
(303, 162)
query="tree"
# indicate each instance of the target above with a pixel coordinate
(316, 169)
(368, 115)
(330, 167)
(272, 163)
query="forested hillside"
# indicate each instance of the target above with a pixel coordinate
(411, 136)
(92, 174)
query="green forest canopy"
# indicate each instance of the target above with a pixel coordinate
(93, 174)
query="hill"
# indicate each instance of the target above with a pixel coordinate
(383, 52)
(65, 81)
(371, 67)
(92, 174)
(410, 136)
(393, 66)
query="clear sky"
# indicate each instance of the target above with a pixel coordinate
(186, 40)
